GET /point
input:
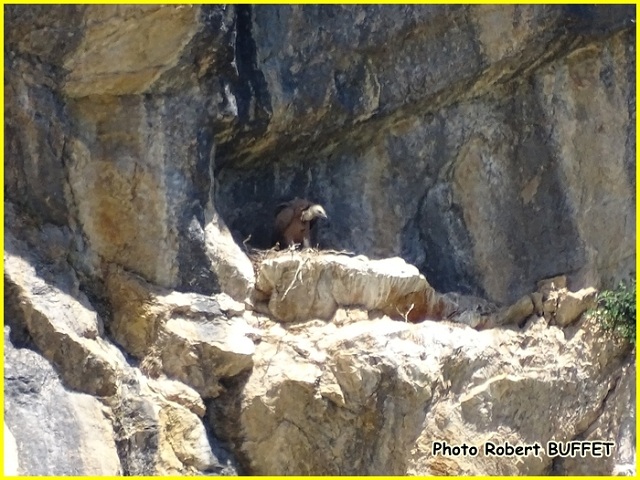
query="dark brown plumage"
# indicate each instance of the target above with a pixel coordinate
(294, 220)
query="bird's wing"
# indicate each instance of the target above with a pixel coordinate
(300, 204)
(284, 218)
(282, 206)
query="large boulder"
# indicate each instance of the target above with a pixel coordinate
(300, 286)
(372, 396)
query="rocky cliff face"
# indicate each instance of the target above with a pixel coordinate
(145, 150)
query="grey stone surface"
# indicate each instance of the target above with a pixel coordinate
(490, 146)
(467, 139)
(465, 165)
(56, 430)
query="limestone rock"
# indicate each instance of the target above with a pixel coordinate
(67, 331)
(57, 432)
(109, 60)
(574, 304)
(546, 286)
(617, 424)
(187, 437)
(231, 265)
(300, 286)
(141, 423)
(513, 314)
(98, 164)
(226, 113)
(334, 406)
(179, 393)
(322, 398)
(138, 427)
(158, 435)
(146, 145)
(536, 299)
(561, 305)
(10, 457)
(135, 316)
(193, 338)
(201, 353)
(448, 171)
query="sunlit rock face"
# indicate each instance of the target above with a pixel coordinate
(477, 165)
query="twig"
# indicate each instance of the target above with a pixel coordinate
(406, 315)
(244, 243)
(295, 275)
(338, 252)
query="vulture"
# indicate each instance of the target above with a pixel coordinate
(294, 220)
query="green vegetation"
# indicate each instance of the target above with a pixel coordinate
(616, 310)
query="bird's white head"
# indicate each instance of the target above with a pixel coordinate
(314, 211)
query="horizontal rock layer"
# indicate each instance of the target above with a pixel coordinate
(303, 286)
